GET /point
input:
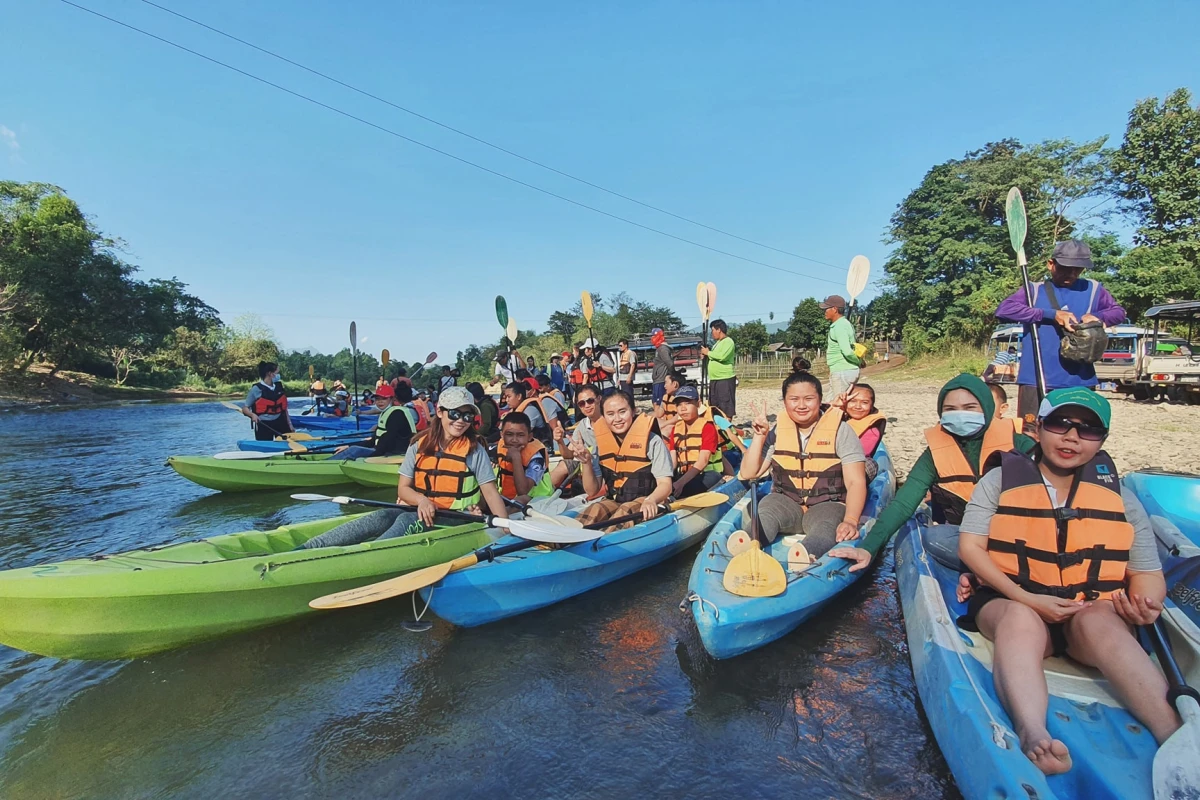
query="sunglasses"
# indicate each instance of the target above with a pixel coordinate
(591, 401)
(455, 414)
(1060, 427)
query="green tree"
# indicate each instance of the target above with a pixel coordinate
(1157, 172)
(750, 337)
(808, 326)
(1143, 276)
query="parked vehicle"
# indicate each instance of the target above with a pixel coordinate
(684, 346)
(1166, 366)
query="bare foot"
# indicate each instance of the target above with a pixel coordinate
(1048, 755)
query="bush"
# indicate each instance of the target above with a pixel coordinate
(916, 341)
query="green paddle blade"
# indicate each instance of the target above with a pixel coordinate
(1014, 212)
(501, 311)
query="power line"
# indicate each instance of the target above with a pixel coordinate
(485, 142)
(431, 148)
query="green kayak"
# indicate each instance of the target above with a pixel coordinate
(276, 472)
(158, 598)
(379, 471)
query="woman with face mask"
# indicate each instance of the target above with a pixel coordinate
(817, 467)
(948, 470)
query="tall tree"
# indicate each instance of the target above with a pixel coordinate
(808, 327)
(750, 337)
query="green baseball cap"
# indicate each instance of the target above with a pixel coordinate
(1077, 396)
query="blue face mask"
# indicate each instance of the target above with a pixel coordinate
(963, 423)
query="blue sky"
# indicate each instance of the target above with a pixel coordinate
(799, 125)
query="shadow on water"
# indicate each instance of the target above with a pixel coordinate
(605, 695)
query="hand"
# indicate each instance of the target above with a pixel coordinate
(1066, 319)
(676, 488)
(1135, 609)
(967, 584)
(703, 350)
(342, 448)
(253, 417)
(426, 511)
(1090, 318)
(579, 451)
(758, 420)
(1053, 609)
(839, 401)
(846, 531)
(860, 557)
(559, 434)
(649, 509)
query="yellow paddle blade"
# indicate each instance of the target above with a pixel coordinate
(384, 459)
(588, 309)
(702, 500)
(393, 587)
(755, 574)
(296, 447)
(385, 357)
(297, 436)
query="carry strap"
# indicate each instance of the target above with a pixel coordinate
(1051, 296)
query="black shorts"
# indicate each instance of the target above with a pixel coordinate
(985, 594)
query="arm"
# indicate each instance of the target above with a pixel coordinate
(1015, 308)
(592, 484)
(409, 496)
(903, 506)
(521, 479)
(1106, 309)
(495, 503)
(752, 461)
(661, 493)
(844, 339)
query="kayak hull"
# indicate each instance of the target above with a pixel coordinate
(254, 475)
(530, 579)
(255, 446)
(1173, 503)
(730, 625)
(1112, 752)
(335, 424)
(145, 601)
(374, 472)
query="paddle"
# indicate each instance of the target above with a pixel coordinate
(753, 573)
(429, 359)
(1176, 770)
(856, 279)
(254, 455)
(1014, 212)
(702, 304)
(422, 578)
(354, 353)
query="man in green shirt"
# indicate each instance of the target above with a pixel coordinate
(839, 347)
(722, 384)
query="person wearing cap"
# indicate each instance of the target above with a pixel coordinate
(1059, 304)
(597, 365)
(447, 380)
(695, 446)
(967, 433)
(507, 364)
(394, 429)
(446, 467)
(664, 365)
(1076, 587)
(558, 377)
(844, 364)
(722, 382)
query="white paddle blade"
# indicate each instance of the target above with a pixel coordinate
(550, 534)
(702, 299)
(710, 289)
(552, 519)
(232, 406)
(243, 455)
(1176, 770)
(799, 559)
(856, 280)
(308, 496)
(511, 331)
(738, 542)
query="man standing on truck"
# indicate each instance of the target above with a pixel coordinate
(626, 367)
(664, 365)
(1059, 306)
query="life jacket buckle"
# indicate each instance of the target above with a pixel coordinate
(1066, 514)
(1072, 559)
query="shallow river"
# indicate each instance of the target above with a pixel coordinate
(607, 695)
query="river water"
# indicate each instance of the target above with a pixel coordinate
(607, 695)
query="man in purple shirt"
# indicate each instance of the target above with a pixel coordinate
(1078, 301)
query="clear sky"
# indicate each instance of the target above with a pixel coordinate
(798, 125)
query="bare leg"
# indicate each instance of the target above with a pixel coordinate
(1096, 636)
(1022, 643)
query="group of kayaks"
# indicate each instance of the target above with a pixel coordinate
(286, 471)
(152, 599)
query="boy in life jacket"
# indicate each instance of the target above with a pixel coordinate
(1001, 398)
(516, 397)
(666, 410)
(393, 430)
(817, 466)
(522, 462)
(635, 465)
(695, 446)
(865, 419)
(1068, 564)
(266, 404)
(959, 445)
(446, 467)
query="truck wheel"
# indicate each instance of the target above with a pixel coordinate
(1141, 393)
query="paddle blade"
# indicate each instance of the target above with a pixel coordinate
(298, 436)
(385, 357)
(711, 291)
(393, 587)
(432, 357)
(702, 299)
(755, 574)
(296, 447)
(310, 372)
(354, 337)
(702, 500)
(232, 406)
(1176, 770)
(543, 532)
(588, 310)
(309, 496)
(1014, 212)
(856, 281)
(799, 559)
(501, 311)
(738, 542)
(511, 331)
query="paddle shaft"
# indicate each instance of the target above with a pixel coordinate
(1176, 685)
(325, 448)
(486, 519)
(1033, 327)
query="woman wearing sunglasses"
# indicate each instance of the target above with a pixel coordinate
(587, 400)
(446, 467)
(1056, 583)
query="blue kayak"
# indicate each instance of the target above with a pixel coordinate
(255, 446)
(1112, 752)
(1173, 502)
(335, 424)
(529, 579)
(729, 624)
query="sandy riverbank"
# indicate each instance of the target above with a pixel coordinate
(1143, 434)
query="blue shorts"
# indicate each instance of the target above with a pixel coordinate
(660, 393)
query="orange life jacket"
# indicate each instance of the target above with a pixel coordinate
(861, 426)
(1077, 552)
(597, 376)
(669, 405)
(541, 430)
(956, 479)
(687, 443)
(422, 412)
(272, 401)
(508, 486)
(1018, 425)
(812, 477)
(445, 478)
(625, 465)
